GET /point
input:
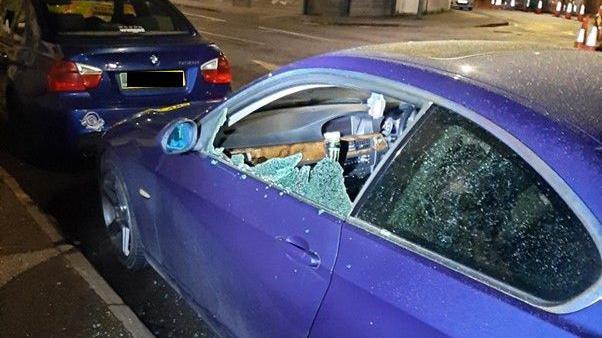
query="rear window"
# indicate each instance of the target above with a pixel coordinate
(114, 17)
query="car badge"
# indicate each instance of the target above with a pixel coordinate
(154, 60)
(92, 121)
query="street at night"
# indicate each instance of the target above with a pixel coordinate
(257, 41)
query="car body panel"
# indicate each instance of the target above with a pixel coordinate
(193, 232)
(378, 287)
(232, 260)
(398, 293)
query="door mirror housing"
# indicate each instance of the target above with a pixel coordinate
(179, 136)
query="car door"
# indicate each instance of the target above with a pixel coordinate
(459, 236)
(256, 261)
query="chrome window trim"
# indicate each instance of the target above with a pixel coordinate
(421, 97)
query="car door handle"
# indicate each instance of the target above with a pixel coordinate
(297, 249)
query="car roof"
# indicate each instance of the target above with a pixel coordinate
(563, 84)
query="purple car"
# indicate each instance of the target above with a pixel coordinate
(406, 190)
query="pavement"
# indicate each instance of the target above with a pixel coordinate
(47, 287)
(257, 40)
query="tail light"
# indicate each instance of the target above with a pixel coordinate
(68, 76)
(217, 71)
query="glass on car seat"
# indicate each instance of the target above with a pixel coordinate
(321, 144)
(456, 190)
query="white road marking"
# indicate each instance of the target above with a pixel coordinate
(267, 65)
(206, 17)
(301, 35)
(253, 42)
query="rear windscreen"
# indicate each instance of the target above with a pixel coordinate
(114, 17)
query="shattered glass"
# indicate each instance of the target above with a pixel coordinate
(323, 184)
(238, 160)
(326, 187)
(275, 169)
(456, 190)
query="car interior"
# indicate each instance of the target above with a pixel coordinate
(348, 127)
(102, 16)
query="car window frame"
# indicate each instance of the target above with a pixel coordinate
(280, 85)
(586, 298)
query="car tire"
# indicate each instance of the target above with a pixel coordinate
(119, 217)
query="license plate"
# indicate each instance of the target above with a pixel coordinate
(153, 79)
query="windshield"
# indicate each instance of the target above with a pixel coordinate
(114, 17)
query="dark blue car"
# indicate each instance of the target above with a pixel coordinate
(73, 68)
(407, 190)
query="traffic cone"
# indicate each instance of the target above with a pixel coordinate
(539, 7)
(581, 12)
(558, 9)
(591, 43)
(569, 11)
(581, 35)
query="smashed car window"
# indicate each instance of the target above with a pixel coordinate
(456, 190)
(315, 144)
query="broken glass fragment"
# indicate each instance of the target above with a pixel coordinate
(324, 184)
(275, 169)
(238, 160)
(326, 187)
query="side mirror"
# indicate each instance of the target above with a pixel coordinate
(179, 136)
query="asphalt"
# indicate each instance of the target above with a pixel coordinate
(263, 37)
(257, 40)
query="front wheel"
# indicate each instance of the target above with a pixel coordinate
(118, 217)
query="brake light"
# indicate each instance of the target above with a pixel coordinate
(217, 71)
(68, 76)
